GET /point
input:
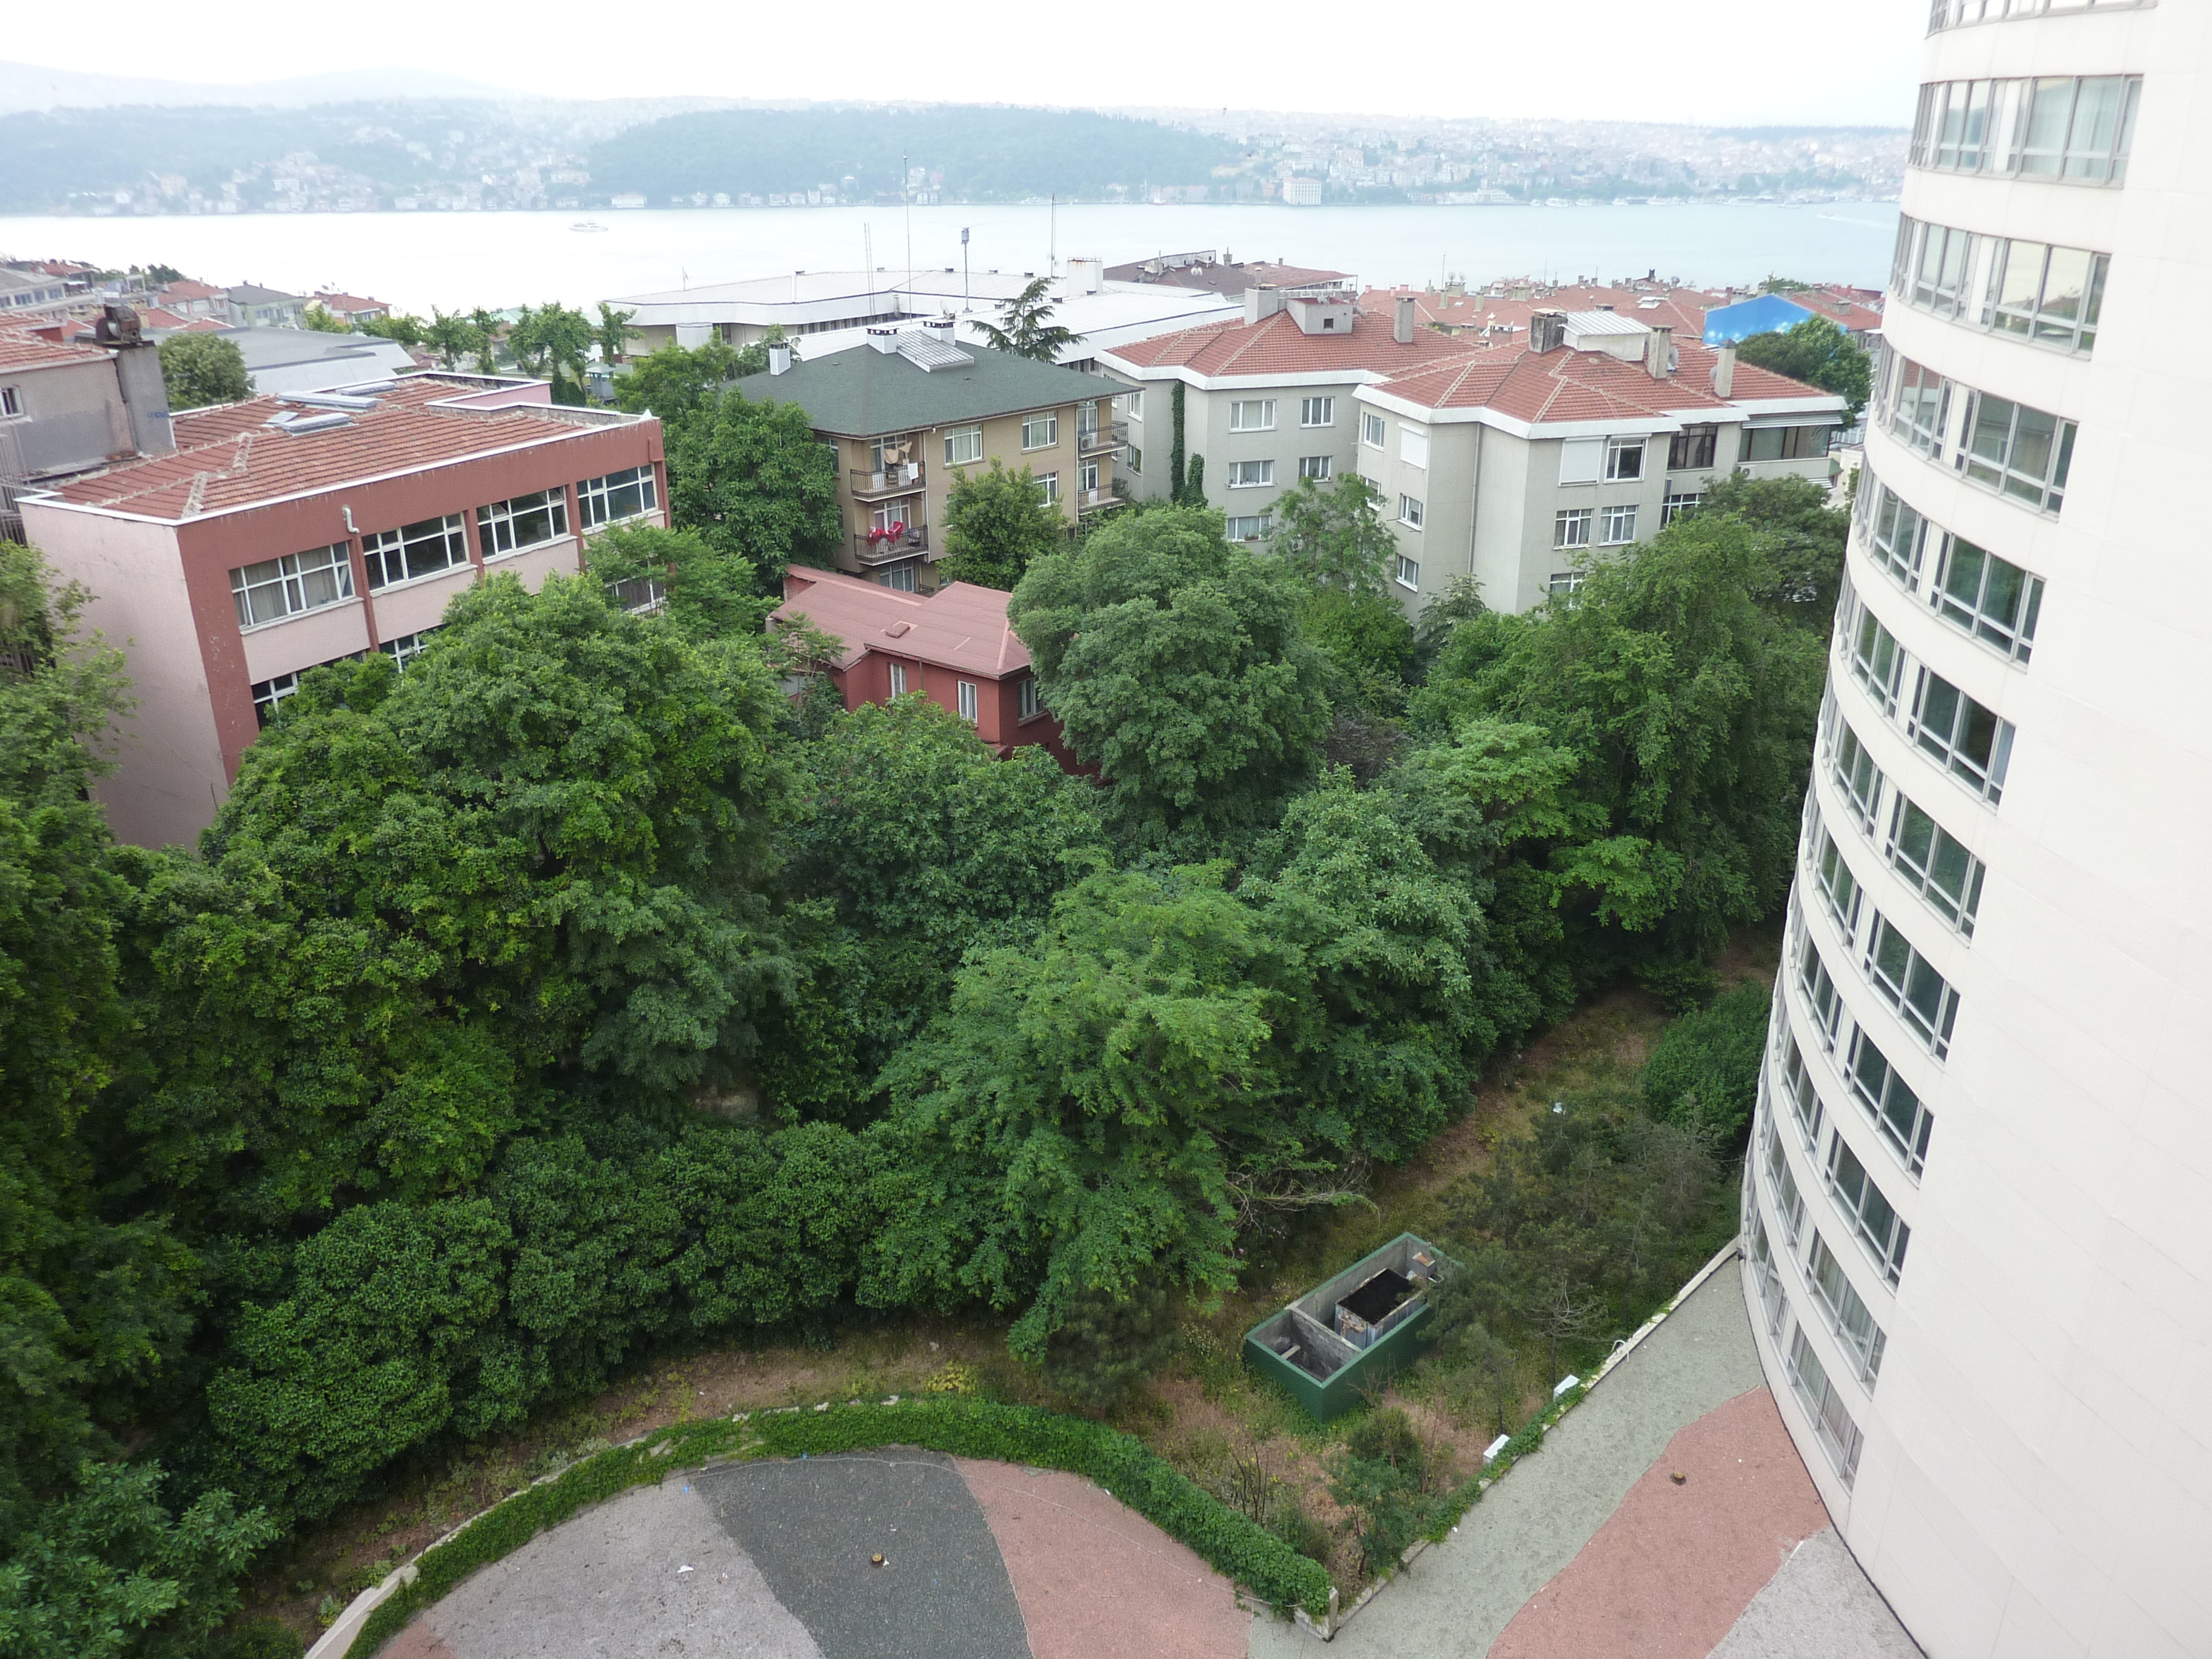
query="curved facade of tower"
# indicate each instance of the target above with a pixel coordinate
(1979, 1202)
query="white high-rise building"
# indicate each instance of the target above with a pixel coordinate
(1978, 1209)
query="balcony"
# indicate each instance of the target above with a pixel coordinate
(901, 479)
(872, 548)
(1092, 501)
(1094, 441)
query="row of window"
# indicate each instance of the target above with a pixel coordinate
(1893, 1107)
(297, 582)
(1991, 598)
(269, 694)
(1844, 1312)
(1950, 14)
(2065, 127)
(1029, 702)
(1904, 978)
(1973, 742)
(1615, 525)
(1935, 864)
(2023, 452)
(2041, 291)
(1258, 415)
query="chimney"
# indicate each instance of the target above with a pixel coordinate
(1084, 276)
(1547, 329)
(779, 358)
(940, 329)
(138, 378)
(1261, 302)
(1401, 322)
(883, 339)
(1724, 371)
(1659, 352)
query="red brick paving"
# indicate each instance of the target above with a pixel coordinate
(1096, 1581)
(1674, 1567)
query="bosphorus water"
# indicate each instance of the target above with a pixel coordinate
(455, 261)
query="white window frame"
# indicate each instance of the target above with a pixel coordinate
(1089, 479)
(1563, 582)
(1412, 512)
(1893, 1105)
(1929, 857)
(1049, 483)
(296, 582)
(1317, 411)
(1850, 1319)
(1877, 661)
(1617, 524)
(1374, 430)
(1940, 736)
(1251, 475)
(1832, 1424)
(1030, 701)
(965, 695)
(388, 551)
(1910, 983)
(1406, 573)
(1572, 526)
(1262, 523)
(408, 647)
(11, 400)
(1242, 417)
(1316, 466)
(1618, 467)
(898, 681)
(500, 524)
(618, 498)
(1135, 463)
(1967, 577)
(1040, 432)
(963, 445)
(1677, 503)
(1882, 1232)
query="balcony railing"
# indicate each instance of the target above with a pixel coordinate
(887, 480)
(1112, 435)
(1090, 501)
(872, 548)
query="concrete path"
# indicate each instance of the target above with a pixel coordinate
(1591, 1547)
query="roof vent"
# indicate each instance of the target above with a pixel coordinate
(883, 339)
(898, 629)
(351, 406)
(296, 426)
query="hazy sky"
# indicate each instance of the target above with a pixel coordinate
(1721, 62)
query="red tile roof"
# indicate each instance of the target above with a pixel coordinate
(1682, 309)
(961, 626)
(349, 302)
(156, 317)
(1276, 345)
(186, 288)
(229, 457)
(1583, 385)
(20, 348)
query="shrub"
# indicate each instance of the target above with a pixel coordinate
(1704, 1075)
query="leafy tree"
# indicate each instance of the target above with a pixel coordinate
(89, 1306)
(1329, 532)
(703, 592)
(674, 381)
(1461, 601)
(319, 317)
(1174, 663)
(756, 482)
(1110, 1345)
(1802, 536)
(1689, 707)
(553, 342)
(106, 1571)
(1380, 1478)
(453, 338)
(1819, 353)
(1078, 1117)
(997, 524)
(408, 330)
(613, 333)
(484, 338)
(1025, 327)
(202, 369)
(1703, 1074)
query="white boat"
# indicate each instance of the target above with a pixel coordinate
(588, 224)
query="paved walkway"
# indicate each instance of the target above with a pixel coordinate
(774, 1560)
(1592, 1547)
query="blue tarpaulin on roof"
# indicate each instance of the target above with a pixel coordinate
(1727, 324)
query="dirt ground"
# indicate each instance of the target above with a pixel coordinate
(1205, 1413)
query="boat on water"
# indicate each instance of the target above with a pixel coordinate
(588, 224)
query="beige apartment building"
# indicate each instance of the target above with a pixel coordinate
(909, 412)
(1515, 463)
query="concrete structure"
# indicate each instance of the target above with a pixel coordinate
(353, 308)
(30, 289)
(1348, 1336)
(1513, 463)
(953, 646)
(910, 412)
(844, 304)
(66, 408)
(1207, 272)
(284, 535)
(1979, 1214)
(250, 305)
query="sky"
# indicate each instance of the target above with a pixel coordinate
(1722, 63)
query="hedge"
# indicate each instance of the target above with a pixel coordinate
(1242, 1551)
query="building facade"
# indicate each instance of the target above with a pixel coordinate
(1978, 1202)
(284, 534)
(909, 413)
(1513, 463)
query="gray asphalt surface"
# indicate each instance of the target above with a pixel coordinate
(810, 1527)
(1818, 1606)
(1458, 1596)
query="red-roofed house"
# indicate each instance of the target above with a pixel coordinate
(353, 308)
(287, 532)
(952, 646)
(1513, 463)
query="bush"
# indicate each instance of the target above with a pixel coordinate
(1381, 1478)
(1109, 1345)
(1704, 1075)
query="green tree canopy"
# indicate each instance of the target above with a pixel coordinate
(319, 317)
(674, 381)
(1802, 536)
(754, 481)
(553, 342)
(997, 524)
(1330, 533)
(1819, 353)
(702, 592)
(453, 338)
(202, 369)
(1025, 326)
(1174, 662)
(408, 330)
(612, 333)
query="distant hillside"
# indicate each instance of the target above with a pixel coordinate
(983, 153)
(34, 86)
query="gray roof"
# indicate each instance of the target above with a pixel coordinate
(250, 293)
(866, 393)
